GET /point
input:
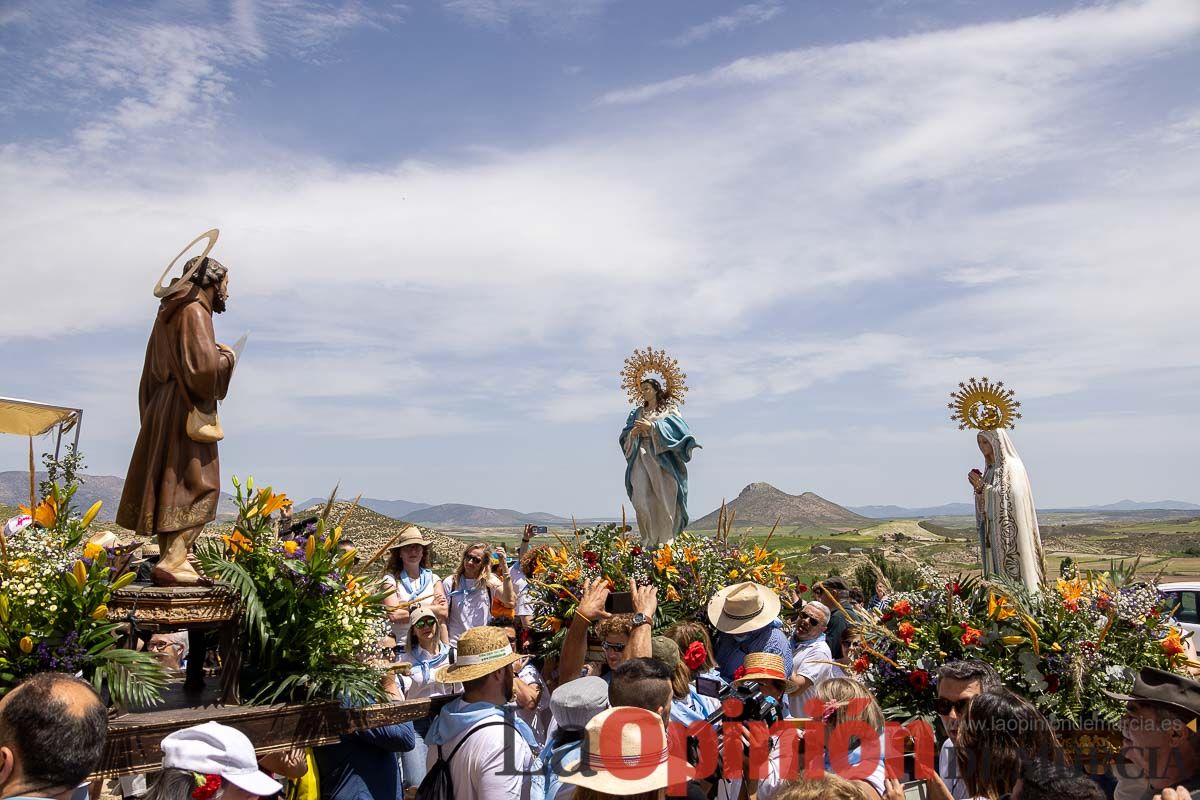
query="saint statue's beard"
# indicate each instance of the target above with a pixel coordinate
(218, 304)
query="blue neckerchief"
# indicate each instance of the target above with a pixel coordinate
(427, 664)
(690, 710)
(465, 590)
(406, 582)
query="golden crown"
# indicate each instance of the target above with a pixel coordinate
(650, 363)
(984, 406)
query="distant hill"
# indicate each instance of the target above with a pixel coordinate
(762, 504)
(14, 490)
(1133, 505)
(396, 509)
(458, 514)
(899, 512)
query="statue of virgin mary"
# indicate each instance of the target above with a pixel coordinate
(1010, 542)
(657, 444)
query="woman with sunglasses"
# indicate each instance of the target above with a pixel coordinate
(473, 589)
(414, 585)
(427, 653)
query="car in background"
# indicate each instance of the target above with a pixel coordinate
(1185, 597)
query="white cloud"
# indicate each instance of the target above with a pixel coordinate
(548, 16)
(742, 16)
(879, 219)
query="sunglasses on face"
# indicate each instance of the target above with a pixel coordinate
(809, 619)
(472, 560)
(943, 706)
(427, 622)
(614, 648)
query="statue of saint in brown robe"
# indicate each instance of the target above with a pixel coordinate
(173, 483)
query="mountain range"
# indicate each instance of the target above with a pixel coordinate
(757, 504)
(968, 509)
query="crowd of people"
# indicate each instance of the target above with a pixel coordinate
(760, 707)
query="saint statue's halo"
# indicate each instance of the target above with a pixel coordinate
(161, 291)
(651, 363)
(984, 406)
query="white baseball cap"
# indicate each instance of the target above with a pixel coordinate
(215, 749)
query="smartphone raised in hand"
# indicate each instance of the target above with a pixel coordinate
(619, 603)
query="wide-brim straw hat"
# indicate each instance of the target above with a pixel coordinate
(766, 667)
(410, 535)
(621, 763)
(743, 607)
(481, 651)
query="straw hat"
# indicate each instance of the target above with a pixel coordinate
(617, 762)
(743, 607)
(766, 667)
(481, 651)
(410, 535)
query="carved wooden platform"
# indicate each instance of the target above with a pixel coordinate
(169, 608)
(134, 740)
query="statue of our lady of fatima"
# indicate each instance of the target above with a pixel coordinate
(657, 445)
(1009, 540)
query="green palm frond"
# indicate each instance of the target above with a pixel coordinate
(133, 677)
(352, 684)
(217, 565)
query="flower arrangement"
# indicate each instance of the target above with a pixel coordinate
(687, 573)
(313, 625)
(54, 594)
(1059, 647)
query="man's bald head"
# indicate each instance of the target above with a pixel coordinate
(52, 732)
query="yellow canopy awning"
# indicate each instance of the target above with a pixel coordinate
(27, 418)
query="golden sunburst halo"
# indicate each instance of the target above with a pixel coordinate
(651, 363)
(984, 406)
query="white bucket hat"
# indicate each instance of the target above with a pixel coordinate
(617, 761)
(215, 749)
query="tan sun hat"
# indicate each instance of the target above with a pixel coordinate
(481, 651)
(766, 667)
(743, 607)
(617, 764)
(410, 535)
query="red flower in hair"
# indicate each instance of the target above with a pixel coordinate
(695, 656)
(802, 588)
(919, 679)
(204, 791)
(739, 672)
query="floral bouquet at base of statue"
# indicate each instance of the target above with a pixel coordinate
(313, 625)
(54, 594)
(687, 572)
(1060, 647)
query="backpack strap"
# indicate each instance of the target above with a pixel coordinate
(471, 732)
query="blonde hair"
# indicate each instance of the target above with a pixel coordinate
(684, 633)
(681, 681)
(485, 570)
(827, 787)
(844, 691)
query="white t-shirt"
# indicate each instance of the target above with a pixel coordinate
(421, 683)
(811, 660)
(948, 770)
(479, 770)
(521, 588)
(470, 606)
(538, 719)
(406, 589)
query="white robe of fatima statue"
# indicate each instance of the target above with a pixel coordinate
(1007, 517)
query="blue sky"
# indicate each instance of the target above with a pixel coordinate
(449, 222)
